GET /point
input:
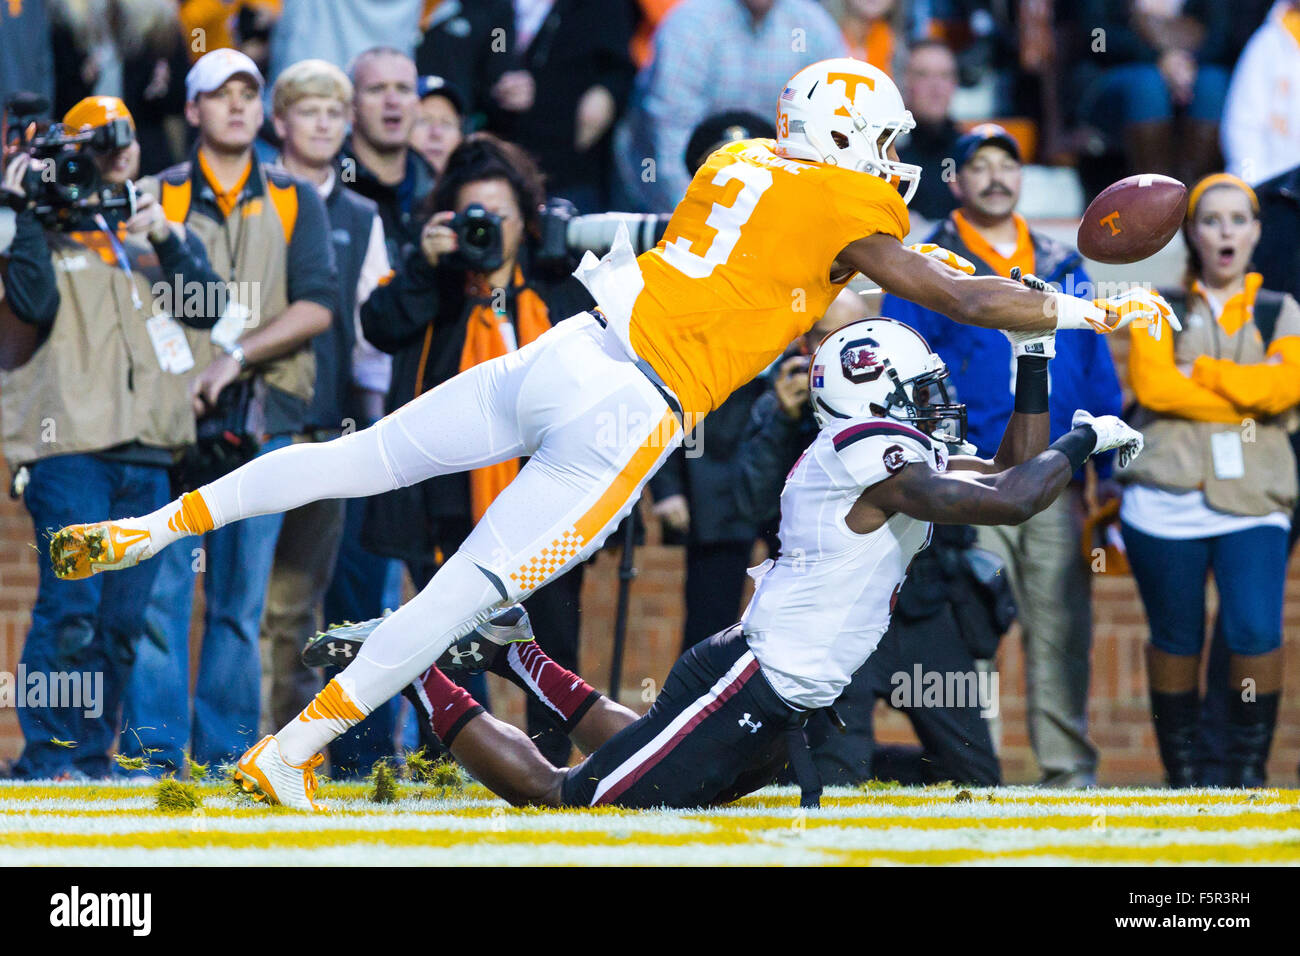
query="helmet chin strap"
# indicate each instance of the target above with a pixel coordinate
(898, 398)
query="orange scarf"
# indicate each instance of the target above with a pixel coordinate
(983, 249)
(483, 342)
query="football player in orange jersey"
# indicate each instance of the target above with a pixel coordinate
(766, 236)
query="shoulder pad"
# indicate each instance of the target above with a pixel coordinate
(872, 450)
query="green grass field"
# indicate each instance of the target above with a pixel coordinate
(121, 825)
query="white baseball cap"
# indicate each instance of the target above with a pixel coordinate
(212, 69)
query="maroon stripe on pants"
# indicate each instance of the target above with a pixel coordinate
(614, 792)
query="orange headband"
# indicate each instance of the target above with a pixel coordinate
(1220, 179)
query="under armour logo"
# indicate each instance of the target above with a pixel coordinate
(746, 722)
(472, 655)
(339, 650)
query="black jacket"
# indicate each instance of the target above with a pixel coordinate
(707, 470)
(1227, 28)
(426, 308)
(1278, 254)
(400, 205)
(580, 44)
(929, 146)
(462, 46)
(772, 444)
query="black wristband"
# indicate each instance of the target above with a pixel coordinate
(1076, 445)
(1031, 385)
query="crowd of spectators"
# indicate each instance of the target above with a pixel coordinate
(322, 150)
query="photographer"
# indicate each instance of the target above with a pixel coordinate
(467, 293)
(93, 418)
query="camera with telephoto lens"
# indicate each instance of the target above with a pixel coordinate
(479, 246)
(63, 175)
(566, 235)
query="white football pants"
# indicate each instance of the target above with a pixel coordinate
(594, 428)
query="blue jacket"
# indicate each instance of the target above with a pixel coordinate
(1081, 376)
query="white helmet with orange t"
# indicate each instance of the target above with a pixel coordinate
(884, 368)
(846, 113)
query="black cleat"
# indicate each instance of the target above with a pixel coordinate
(339, 645)
(474, 653)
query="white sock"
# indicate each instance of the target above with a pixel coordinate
(457, 600)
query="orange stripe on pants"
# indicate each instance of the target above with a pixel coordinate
(634, 472)
(539, 569)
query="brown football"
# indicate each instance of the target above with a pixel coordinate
(1133, 218)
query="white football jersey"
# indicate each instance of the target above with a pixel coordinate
(821, 607)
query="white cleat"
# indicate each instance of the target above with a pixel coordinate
(264, 773)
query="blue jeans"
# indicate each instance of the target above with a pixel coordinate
(1250, 572)
(227, 696)
(89, 626)
(1136, 93)
(364, 586)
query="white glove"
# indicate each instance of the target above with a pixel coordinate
(1039, 344)
(1144, 307)
(1111, 433)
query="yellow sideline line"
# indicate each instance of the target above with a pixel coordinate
(1181, 853)
(884, 797)
(1280, 821)
(1285, 851)
(741, 826)
(868, 798)
(180, 839)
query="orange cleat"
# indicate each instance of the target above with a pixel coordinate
(80, 550)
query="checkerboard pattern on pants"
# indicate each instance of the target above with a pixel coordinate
(537, 569)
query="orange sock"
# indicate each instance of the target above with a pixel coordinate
(329, 714)
(193, 516)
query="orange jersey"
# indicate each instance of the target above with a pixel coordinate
(744, 266)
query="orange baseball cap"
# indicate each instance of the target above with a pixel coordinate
(96, 111)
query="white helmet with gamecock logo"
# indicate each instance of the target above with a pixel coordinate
(883, 368)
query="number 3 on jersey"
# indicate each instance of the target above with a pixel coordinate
(740, 185)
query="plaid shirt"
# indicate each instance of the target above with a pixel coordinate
(710, 56)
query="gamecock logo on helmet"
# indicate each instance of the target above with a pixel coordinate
(860, 361)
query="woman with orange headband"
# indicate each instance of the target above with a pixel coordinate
(1215, 487)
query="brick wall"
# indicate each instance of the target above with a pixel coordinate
(1120, 719)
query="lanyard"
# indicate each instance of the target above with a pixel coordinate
(123, 259)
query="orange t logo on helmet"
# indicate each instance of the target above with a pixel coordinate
(851, 83)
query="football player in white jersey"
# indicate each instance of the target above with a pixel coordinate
(857, 506)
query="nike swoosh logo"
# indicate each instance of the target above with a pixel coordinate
(124, 539)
